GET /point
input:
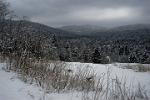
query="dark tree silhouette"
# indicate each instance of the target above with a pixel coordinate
(97, 56)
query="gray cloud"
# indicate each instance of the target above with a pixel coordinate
(99, 12)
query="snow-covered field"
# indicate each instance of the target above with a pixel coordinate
(11, 88)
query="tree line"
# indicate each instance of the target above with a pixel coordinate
(21, 37)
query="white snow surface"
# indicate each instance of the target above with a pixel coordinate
(11, 88)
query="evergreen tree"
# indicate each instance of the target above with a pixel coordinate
(97, 56)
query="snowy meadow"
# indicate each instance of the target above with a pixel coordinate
(56, 80)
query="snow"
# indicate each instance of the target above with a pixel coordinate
(11, 88)
(130, 76)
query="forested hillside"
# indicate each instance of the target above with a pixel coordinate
(126, 44)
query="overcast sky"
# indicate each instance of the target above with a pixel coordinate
(79, 12)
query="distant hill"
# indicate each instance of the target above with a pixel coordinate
(137, 31)
(133, 27)
(83, 29)
(41, 28)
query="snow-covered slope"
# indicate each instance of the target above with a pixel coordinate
(11, 88)
(119, 69)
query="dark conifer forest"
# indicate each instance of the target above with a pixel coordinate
(125, 44)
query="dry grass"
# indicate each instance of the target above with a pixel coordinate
(139, 67)
(56, 76)
(116, 90)
(51, 76)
